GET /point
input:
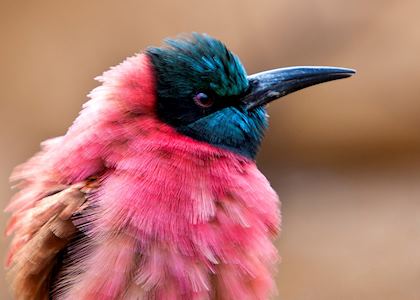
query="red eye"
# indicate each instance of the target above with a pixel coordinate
(203, 100)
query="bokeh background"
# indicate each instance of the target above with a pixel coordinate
(344, 156)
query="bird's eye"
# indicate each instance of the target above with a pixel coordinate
(203, 100)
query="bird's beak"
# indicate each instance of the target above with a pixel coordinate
(270, 85)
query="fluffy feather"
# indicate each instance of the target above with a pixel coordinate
(41, 233)
(170, 217)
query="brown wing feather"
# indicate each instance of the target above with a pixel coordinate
(43, 232)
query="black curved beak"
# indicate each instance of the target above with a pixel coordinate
(271, 85)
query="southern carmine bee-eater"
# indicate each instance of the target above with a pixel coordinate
(153, 192)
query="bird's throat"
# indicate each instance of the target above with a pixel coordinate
(234, 129)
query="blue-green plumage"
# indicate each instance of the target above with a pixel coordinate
(204, 92)
(231, 128)
(201, 64)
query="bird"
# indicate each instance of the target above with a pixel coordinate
(154, 191)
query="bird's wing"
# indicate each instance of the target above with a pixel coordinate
(40, 233)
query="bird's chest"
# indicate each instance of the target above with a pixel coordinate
(189, 198)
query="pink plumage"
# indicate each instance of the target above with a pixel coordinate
(168, 217)
(153, 193)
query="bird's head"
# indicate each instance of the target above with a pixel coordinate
(204, 92)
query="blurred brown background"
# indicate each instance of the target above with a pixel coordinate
(344, 156)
